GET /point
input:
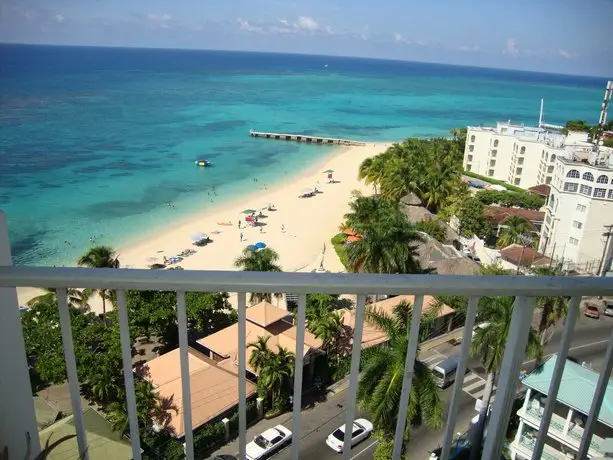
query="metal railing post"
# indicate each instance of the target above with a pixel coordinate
(18, 419)
(508, 379)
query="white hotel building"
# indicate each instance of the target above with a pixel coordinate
(581, 199)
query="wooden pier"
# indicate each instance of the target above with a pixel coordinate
(304, 138)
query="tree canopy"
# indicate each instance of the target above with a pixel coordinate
(472, 219)
(510, 199)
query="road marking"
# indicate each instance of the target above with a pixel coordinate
(469, 377)
(578, 347)
(472, 386)
(365, 449)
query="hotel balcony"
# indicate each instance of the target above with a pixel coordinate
(18, 421)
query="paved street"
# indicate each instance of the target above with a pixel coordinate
(589, 343)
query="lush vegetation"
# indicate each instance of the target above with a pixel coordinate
(510, 199)
(100, 257)
(387, 241)
(432, 227)
(471, 214)
(275, 369)
(581, 125)
(262, 260)
(338, 243)
(515, 230)
(429, 168)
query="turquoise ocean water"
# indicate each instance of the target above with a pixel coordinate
(96, 141)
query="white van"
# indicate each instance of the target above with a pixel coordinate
(444, 373)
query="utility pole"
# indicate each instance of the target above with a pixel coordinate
(605, 260)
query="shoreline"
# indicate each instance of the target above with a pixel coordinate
(297, 230)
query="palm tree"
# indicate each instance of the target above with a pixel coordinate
(328, 328)
(150, 409)
(263, 260)
(381, 379)
(515, 227)
(100, 257)
(77, 298)
(260, 354)
(489, 345)
(276, 374)
(553, 309)
(372, 170)
(385, 247)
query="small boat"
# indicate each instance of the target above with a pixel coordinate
(202, 163)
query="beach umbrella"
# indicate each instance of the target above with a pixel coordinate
(249, 211)
(260, 245)
(328, 171)
(306, 191)
(252, 247)
(199, 236)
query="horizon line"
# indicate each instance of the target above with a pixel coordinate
(595, 77)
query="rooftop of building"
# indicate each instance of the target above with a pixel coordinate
(523, 256)
(213, 387)
(583, 161)
(540, 190)
(497, 214)
(263, 320)
(102, 442)
(577, 387)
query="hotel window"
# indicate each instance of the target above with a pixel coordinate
(600, 192)
(467, 167)
(542, 154)
(573, 241)
(585, 190)
(550, 170)
(518, 171)
(577, 224)
(581, 208)
(548, 180)
(570, 186)
(472, 138)
(490, 172)
(516, 181)
(492, 163)
(496, 143)
(553, 157)
(610, 196)
(470, 158)
(588, 176)
(471, 148)
(602, 180)
(494, 152)
(520, 161)
(522, 151)
(573, 173)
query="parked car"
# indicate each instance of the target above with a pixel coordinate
(591, 311)
(268, 442)
(361, 430)
(608, 309)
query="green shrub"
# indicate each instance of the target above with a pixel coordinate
(510, 199)
(338, 241)
(432, 227)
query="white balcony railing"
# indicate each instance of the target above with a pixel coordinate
(16, 397)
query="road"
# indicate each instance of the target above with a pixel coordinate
(589, 343)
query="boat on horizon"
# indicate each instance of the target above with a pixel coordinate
(202, 163)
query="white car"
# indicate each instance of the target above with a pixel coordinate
(361, 430)
(268, 442)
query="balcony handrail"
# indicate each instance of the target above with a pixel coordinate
(302, 283)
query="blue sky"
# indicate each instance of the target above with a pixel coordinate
(567, 36)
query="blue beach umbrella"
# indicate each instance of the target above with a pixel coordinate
(260, 245)
(252, 247)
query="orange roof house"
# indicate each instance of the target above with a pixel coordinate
(263, 320)
(213, 388)
(372, 335)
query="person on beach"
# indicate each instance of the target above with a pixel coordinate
(283, 228)
(241, 236)
(239, 223)
(261, 229)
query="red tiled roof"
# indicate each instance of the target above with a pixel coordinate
(540, 190)
(496, 214)
(529, 256)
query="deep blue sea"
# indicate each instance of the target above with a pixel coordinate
(96, 141)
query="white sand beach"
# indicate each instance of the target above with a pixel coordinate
(297, 229)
